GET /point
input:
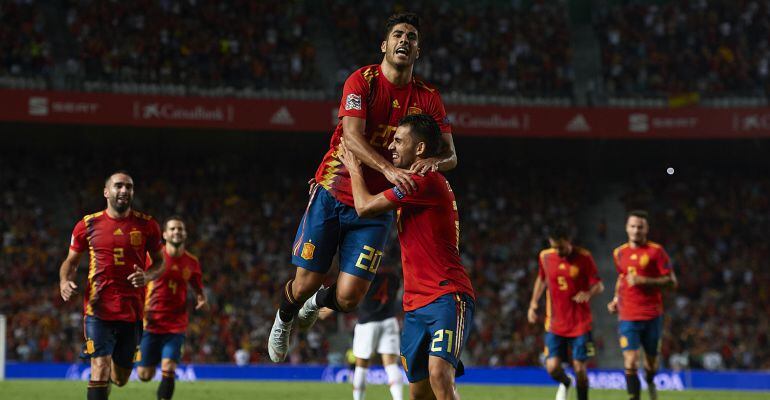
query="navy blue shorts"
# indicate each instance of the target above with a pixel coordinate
(646, 334)
(157, 346)
(557, 346)
(329, 225)
(118, 339)
(438, 329)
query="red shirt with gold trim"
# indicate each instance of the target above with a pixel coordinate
(640, 303)
(166, 299)
(429, 232)
(367, 94)
(114, 246)
(564, 278)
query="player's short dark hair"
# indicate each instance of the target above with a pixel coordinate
(560, 232)
(402, 18)
(425, 129)
(172, 218)
(639, 214)
(120, 171)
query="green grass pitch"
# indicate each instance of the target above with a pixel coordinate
(240, 390)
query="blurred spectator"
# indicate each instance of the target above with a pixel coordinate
(514, 48)
(715, 48)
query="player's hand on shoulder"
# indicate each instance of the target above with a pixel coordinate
(401, 178)
(67, 289)
(137, 278)
(422, 167)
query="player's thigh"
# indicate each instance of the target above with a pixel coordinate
(363, 241)
(318, 233)
(629, 335)
(583, 347)
(127, 339)
(100, 340)
(150, 349)
(650, 337)
(415, 346)
(172, 349)
(452, 318)
(364, 339)
(555, 348)
(389, 341)
(446, 321)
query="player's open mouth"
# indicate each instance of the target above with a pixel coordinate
(403, 50)
(395, 156)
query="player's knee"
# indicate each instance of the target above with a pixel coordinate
(120, 380)
(145, 374)
(552, 366)
(347, 304)
(440, 378)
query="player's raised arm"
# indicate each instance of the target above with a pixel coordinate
(353, 133)
(366, 204)
(69, 267)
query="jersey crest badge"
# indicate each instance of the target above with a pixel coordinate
(136, 238)
(307, 251)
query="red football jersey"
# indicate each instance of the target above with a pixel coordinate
(369, 95)
(166, 298)
(564, 278)
(114, 246)
(639, 303)
(429, 232)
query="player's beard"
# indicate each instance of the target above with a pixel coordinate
(120, 207)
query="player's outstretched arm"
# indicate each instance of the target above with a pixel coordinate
(367, 205)
(353, 133)
(446, 161)
(537, 293)
(69, 267)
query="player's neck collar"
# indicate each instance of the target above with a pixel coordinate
(408, 80)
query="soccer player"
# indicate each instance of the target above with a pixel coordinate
(377, 330)
(438, 296)
(569, 274)
(374, 98)
(643, 270)
(165, 318)
(117, 240)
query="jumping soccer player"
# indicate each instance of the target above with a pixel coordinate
(374, 99)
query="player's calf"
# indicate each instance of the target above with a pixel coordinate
(166, 387)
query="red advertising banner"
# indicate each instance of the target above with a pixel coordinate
(321, 116)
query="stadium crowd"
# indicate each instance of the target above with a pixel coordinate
(515, 48)
(715, 48)
(25, 46)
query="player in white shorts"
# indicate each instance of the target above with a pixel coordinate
(377, 331)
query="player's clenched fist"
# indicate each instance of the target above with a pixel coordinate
(67, 289)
